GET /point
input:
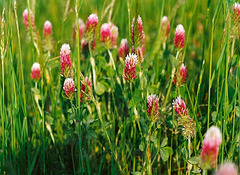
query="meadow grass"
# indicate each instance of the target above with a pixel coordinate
(110, 131)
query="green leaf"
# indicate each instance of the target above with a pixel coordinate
(36, 90)
(92, 134)
(237, 111)
(37, 94)
(90, 121)
(173, 60)
(194, 160)
(165, 152)
(164, 142)
(169, 150)
(196, 171)
(136, 173)
(101, 49)
(100, 89)
(154, 140)
(34, 160)
(137, 99)
(173, 94)
(153, 89)
(71, 121)
(214, 115)
(110, 72)
(71, 116)
(185, 153)
(105, 84)
(120, 70)
(134, 101)
(142, 146)
(102, 61)
(131, 103)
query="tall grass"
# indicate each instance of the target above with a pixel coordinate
(110, 132)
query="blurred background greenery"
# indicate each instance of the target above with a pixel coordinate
(196, 17)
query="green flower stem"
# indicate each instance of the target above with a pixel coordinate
(111, 61)
(3, 89)
(148, 150)
(98, 108)
(158, 127)
(210, 76)
(199, 85)
(114, 67)
(129, 20)
(134, 128)
(21, 79)
(195, 117)
(92, 61)
(30, 22)
(189, 155)
(226, 102)
(170, 83)
(43, 127)
(79, 116)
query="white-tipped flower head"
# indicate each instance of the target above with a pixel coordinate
(114, 34)
(109, 34)
(235, 29)
(179, 37)
(92, 21)
(184, 120)
(165, 26)
(66, 65)
(152, 105)
(81, 29)
(180, 76)
(48, 39)
(213, 136)
(47, 29)
(211, 144)
(91, 26)
(227, 169)
(68, 88)
(236, 11)
(130, 67)
(180, 107)
(36, 72)
(164, 19)
(65, 49)
(25, 18)
(138, 38)
(105, 32)
(124, 48)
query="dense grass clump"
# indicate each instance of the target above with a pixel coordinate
(119, 87)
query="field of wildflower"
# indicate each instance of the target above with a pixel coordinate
(141, 87)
